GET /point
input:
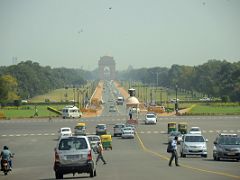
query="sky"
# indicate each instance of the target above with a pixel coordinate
(140, 33)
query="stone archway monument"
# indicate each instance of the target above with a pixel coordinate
(106, 68)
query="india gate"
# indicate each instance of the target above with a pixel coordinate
(106, 68)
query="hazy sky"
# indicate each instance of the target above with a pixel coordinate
(141, 33)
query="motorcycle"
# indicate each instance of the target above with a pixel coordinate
(5, 167)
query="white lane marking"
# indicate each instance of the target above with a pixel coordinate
(224, 131)
(211, 131)
(155, 132)
(163, 132)
(4, 135)
(149, 132)
(204, 131)
(231, 131)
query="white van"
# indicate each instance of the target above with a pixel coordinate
(120, 100)
(71, 112)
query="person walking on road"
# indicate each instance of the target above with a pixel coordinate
(174, 152)
(100, 153)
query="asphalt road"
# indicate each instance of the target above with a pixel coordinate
(144, 157)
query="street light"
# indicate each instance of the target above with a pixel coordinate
(176, 103)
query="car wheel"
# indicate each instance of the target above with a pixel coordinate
(58, 175)
(91, 173)
(95, 173)
(204, 155)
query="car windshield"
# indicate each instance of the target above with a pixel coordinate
(127, 129)
(175, 133)
(101, 126)
(230, 141)
(150, 116)
(94, 138)
(119, 126)
(72, 143)
(65, 130)
(194, 139)
(195, 129)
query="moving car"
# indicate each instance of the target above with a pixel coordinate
(120, 100)
(101, 129)
(226, 146)
(93, 140)
(74, 155)
(117, 129)
(195, 130)
(150, 118)
(193, 144)
(65, 131)
(71, 112)
(127, 132)
(112, 108)
(173, 134)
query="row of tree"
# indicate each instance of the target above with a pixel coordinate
(28, 79)
(214, 78)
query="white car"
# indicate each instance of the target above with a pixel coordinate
(127, 132)
(195, 130)
(93, 140)
(65, 131)
(150, 118)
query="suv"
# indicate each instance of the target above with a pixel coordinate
(74, 155)
(226, 146)
(117, 128)
(193, 144)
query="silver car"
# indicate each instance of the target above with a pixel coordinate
(193, 144)
(74, 155)
(117, 129)
(226, 146)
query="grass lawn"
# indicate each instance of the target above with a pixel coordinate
(201, 109)
(29, 111)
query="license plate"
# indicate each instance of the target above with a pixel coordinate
(72, 157)
(231, 154)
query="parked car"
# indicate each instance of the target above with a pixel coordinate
(117, 129)
(64, 131)
(226, 146)
(193, 144)
(74, 155)
(173, 134)
(150, 118)
(101, 129)
(127, 132)
(195, 130)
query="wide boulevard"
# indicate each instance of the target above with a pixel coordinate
(144, 157)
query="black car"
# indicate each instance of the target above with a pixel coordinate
(226, 146)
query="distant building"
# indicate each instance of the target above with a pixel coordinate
(106, 68)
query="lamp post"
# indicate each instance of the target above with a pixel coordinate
(74, 95)
(176, 103)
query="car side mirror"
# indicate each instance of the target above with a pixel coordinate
(206, 140)
(215, 142)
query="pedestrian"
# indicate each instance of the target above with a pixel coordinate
(130, 114)
(100, 153)
(36, 111)
(174, 152)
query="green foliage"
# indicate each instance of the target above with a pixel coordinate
(34, 79)
(213, 79)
